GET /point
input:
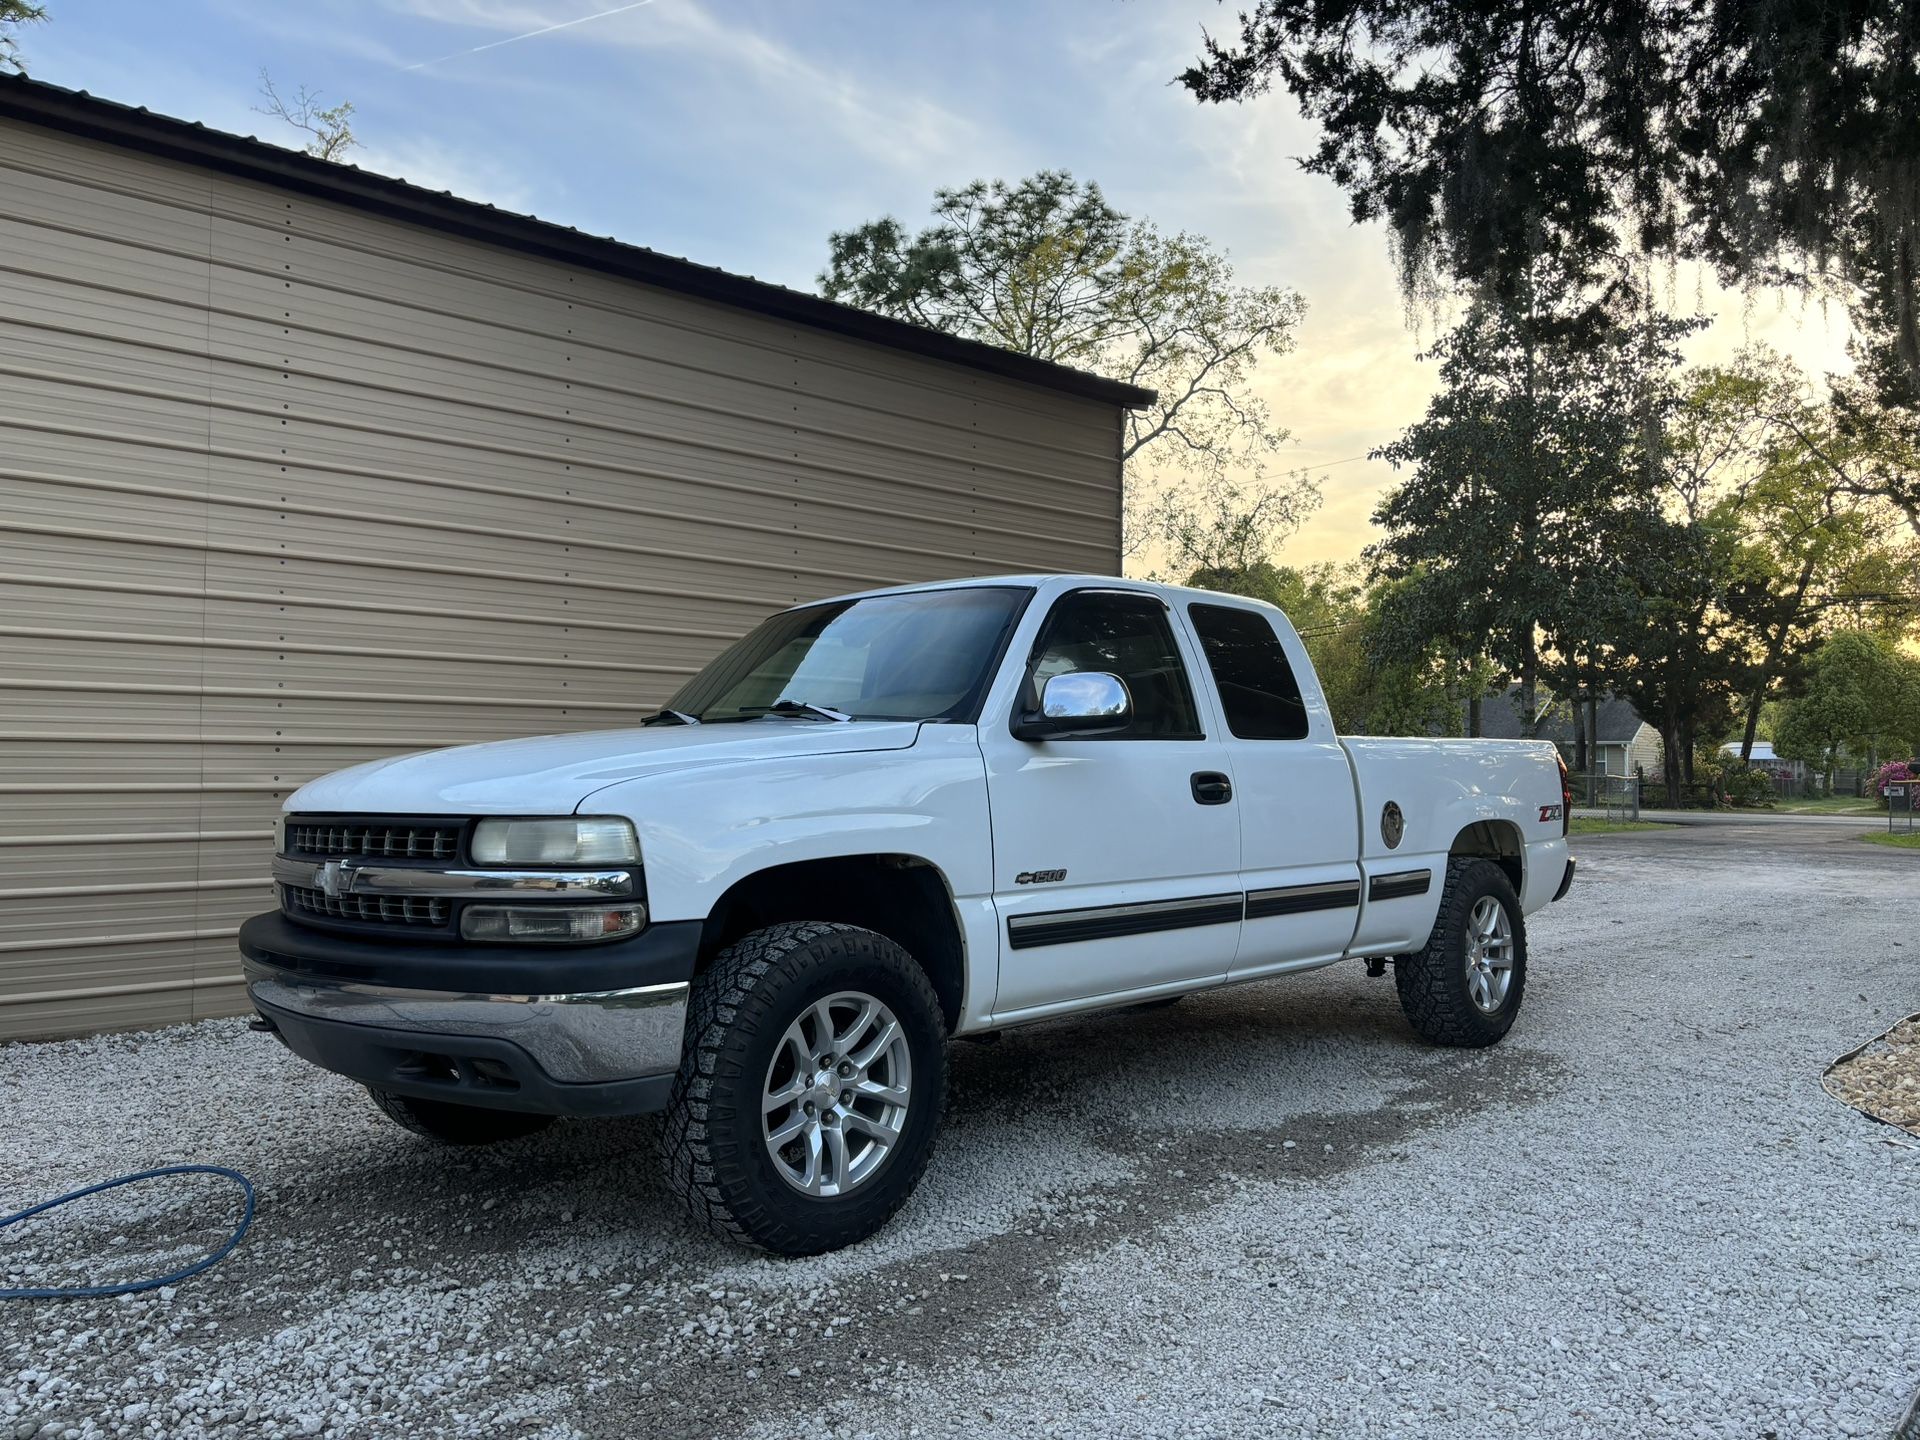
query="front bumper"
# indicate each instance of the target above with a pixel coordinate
(439, 1021)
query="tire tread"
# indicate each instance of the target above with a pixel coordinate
(733, 990)
(1430, 982)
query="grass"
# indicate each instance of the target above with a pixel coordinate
(1898, 839)
(1585, 826)
(1830, 805)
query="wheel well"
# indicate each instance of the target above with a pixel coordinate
(902, 897)
(1500, 842)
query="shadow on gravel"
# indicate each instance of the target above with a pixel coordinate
(963, 1305)
(1007, 1281)
(563, 1266)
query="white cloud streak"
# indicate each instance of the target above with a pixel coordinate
(773, 89)
(529, 35)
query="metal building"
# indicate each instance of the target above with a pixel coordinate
(300, 466)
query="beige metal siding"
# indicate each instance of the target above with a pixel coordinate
(285, 486)
(1644, 751)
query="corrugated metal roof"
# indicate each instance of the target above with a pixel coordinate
(189, 142)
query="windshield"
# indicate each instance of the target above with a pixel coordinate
(924, 655)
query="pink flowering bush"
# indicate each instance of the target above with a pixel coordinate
(1894, 772)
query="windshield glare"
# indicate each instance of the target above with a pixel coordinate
(918, 656)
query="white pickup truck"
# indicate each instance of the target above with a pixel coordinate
(873, 824)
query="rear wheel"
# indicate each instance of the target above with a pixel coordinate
(452, 1124)
(1464, 988)
(809, 1090)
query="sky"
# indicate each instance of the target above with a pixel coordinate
(741, 133)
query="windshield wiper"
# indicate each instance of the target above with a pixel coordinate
(671, 717)
(806, 709)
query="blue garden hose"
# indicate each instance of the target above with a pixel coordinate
(134, 1287)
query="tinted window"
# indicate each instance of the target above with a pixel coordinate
(1257, 688)
(1128, 636)
(923, 655)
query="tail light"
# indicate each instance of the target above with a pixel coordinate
(1566, 795)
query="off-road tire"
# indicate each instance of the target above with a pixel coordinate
(1433, 982)
(452, 1124)
(713, 1141)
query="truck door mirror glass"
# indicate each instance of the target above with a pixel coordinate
(1085, 702)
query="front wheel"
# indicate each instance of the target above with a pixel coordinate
(1464, 988)
(809, 1090)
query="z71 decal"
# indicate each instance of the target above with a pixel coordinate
(1039, 877)
(1549, 812)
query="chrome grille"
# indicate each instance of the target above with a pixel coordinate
(367, 909)
(376, 838)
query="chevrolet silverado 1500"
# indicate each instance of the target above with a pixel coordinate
(873, 824)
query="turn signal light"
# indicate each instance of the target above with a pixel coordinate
(550, 924)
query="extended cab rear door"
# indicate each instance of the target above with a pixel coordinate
(1293, 788)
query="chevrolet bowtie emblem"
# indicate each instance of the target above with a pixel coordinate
(335, 878)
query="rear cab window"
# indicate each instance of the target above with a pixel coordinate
(1258, 691)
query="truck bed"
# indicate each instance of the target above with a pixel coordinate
(1444, 789)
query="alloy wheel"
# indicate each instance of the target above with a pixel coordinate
(836, 1094)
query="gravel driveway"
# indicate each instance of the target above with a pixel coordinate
(1262, 1212)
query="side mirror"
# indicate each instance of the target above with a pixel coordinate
(1086, 702)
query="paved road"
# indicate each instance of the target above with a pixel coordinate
(1749, 818)
(1264, 1212)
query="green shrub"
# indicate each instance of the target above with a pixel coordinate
(1747, 785)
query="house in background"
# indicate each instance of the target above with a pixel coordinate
(1764, 757)
(1622, 743)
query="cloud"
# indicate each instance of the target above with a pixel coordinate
(533, 34)
(768, 87)
(430, 163)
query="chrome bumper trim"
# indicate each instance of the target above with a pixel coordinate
(356, 876)
(576, 1039)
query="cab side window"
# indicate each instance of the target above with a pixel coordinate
(1257, 689)
(1126, 635)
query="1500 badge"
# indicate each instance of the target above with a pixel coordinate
(1039, 877)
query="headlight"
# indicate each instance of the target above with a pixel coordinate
(570, 841)
(553, 924)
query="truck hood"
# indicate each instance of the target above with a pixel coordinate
(552, 774)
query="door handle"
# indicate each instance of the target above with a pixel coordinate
(1210, 787)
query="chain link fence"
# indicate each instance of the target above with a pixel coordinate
(1617, 795)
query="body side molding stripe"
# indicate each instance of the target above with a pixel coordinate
(1296, 899)
(1399, 884)
(1108, 922)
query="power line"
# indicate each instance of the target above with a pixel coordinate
(1304, 469)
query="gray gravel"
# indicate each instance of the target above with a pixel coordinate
(1262, 1212)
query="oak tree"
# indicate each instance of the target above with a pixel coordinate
(1772, 139)
(1048, 267)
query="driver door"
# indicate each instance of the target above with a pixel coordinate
(1116, 857)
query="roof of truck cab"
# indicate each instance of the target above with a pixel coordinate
(974, 582)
